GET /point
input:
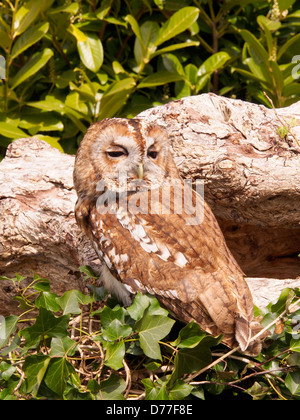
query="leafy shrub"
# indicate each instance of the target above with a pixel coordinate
(69, 64)
(80, 346)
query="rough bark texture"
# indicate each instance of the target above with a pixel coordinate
(252, 182)
(251, 174)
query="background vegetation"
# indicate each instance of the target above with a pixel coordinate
(69, 64)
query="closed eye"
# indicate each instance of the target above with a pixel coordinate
(116, 152)
(152, 153)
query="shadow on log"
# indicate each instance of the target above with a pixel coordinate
(252, 183)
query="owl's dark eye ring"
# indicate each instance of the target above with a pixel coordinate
(152, 154)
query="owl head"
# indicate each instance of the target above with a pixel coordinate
(122, 154)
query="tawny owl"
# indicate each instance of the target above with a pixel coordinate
(131, 204)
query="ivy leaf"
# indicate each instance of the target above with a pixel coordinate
(35, 367)
(48, 301)
(114, 356)
(8, 326)
(57, 374)
(62, 346)
(292, 382)
(180, 390)
(46, 325)
(116, 330)
(112, 388)
(69, 301)
(141, 303)
(192, 359)
(108, 315)
(151, 329)
(155, 390)
(189, 336)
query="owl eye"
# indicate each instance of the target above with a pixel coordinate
(152, 153)
(116, 152)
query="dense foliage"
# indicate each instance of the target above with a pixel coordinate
(69, 64)
(80, 346)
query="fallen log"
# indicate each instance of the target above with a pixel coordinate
(252, 182)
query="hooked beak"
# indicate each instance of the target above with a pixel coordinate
(140, 171)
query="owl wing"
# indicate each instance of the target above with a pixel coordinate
(188, 267)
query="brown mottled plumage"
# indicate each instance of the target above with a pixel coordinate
(146, 244)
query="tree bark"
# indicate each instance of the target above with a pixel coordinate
(252, 182)
(251, 174)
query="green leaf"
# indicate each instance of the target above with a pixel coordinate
(115, 352)
(42, 285)
(285, 4)
(283, 302)
(89, 47)
(293, 40)
(179, 22)
(180, 390)
(116, 330)
(116, 97)
(69, 301)
(91, 52)
(66, 8)
(41, 122)
(112, 388)
(175, 47)
(189, 336)
(159, 78)
(53, 141)
(31, 67)
(188, 360)
(62, 346)
(144, 48)
(193, 358)
(151, 329)
(58, 372)
(46, 325)
(260, 70)
(104, 9)
(292, 382)
(11, 131)
(267, 24)
(155, 390)
(295, 345)
(135, 27)
(28, 38)
(213, 63)
(35, 367)
(257, 50)
(6, 370)
(8, 326)
(4, 40)
(50, 103)
(173, 64)
(108, 315)
(141, 303)
(25, 16)
(48, 301)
